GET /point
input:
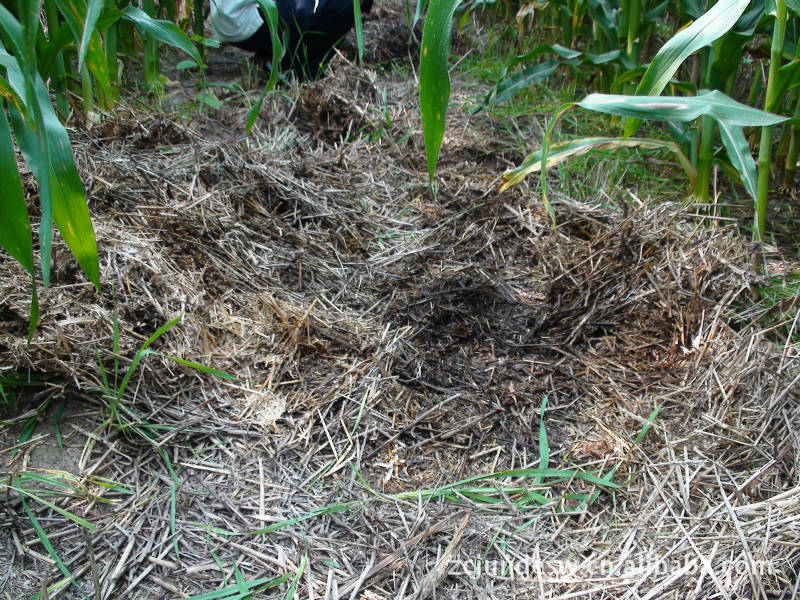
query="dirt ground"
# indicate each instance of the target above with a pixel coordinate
(437, 394)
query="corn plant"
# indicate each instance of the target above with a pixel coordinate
(70, 47)
(716, 39)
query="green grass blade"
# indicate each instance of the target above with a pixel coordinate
(164, 31)
(15, 228)
(161, 331)
(544, 446)
(712, 25)
(300, 570)
(49, 547)
(137, 358)
(359, 30)
(241, 584)
(200, 367)
(232, 592)
(74, 518)
(434, 76)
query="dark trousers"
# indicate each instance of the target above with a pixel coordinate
(311, 34)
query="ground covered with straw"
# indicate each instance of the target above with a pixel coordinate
(437, 395)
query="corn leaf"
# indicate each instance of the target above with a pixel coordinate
(13, 31)
(48, 152)
(740, 156)
(93, 11)
(434, 76)
(359, 30)
(729, 114)
(70, 212)
(674, 108)
(270, 9)
(77, 15)
(163, 31)
(712, 25)
(562, 151)
(15, 228)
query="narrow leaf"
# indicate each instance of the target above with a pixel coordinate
(566, 150)
(92, 14)
(15, 227)
(434, 76)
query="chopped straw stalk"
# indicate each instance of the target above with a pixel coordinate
(388, 341)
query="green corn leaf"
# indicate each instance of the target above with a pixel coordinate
(434, 76)
(47, 150)
(359, 30)
(8, 92)
(70, 212)
(729, 114)
(270, 9)
(712, 25)
(740, 155)
(15, 227)
(673, 108)
(29, 19)
(93, 11)
(508, 87)
(82, 20)
(163, 31)
(562, 151)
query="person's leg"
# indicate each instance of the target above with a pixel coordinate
(332, 20)
(260, 42)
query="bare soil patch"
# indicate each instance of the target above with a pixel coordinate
(389, 340)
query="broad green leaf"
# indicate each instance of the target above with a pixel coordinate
(48, 152)
(510, 85)
(15, 227)
(712, 25)
(163, 31)
(28, 11)
(70, 212)
(434, 76)
(13, 30)
(679, 108)
(729, 114)
(30, 134)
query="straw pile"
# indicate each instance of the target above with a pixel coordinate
(389, 340)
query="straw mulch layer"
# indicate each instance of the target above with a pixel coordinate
(389, 340)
